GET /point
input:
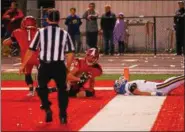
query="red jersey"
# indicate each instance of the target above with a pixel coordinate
(95, 70)
(24, 38)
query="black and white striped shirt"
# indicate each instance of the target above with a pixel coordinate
(53, 43)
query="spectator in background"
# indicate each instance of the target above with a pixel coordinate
(120, 33)
(73, 23)
(12, 19)
(45, 16)
(180, 28)
(91, 26)
(107, 25)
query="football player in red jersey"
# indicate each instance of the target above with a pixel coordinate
(86, 69)
(24, 36)
(81, 77)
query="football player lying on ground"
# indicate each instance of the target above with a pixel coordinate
(81, 77)
(147, 88)
(24, 36)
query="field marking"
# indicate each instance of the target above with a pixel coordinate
(126, 113)
(130, 60)
(133, 66)
(25, 88)
(17, 64)
(172, 65)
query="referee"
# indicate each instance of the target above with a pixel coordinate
(54, 43)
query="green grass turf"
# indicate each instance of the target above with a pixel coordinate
(16, 76)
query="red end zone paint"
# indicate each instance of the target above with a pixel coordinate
(171, 115)
(99, 83)
(21, 113)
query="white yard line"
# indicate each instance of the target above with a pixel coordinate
(126, 113)
(133, 66)
(25, 88)
(17, 64)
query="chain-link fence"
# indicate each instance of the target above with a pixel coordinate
(146, 34)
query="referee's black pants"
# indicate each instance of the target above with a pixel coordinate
(56, 71)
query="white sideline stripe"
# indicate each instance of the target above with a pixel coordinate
(126, 113)
(25, 88)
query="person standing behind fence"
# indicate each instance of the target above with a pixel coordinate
(73, 23)
(179, 24)
(54, 44)
(44, 17)
(107, 25)
(12, 19)
(91, 26)
(119, 33)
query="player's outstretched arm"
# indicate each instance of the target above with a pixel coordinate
(138, 92)
(71, 77)
(134, 90)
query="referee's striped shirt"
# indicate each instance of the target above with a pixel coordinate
(53, 43)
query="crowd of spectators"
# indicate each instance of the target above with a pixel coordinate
(109, 27)
(112, 26)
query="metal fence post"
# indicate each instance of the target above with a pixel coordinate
(41, 13)
(155, 37)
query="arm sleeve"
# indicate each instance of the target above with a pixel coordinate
(35, 42)
(114, 18)
(80, 22)
(101, 22)
(85, 15)
(96, 71)
(67, 21)
(75, 64)
(69, 47)
(6, 13)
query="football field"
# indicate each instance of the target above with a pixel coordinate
(106, 111)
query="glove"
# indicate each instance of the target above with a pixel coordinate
(84, 77)
(157, 94)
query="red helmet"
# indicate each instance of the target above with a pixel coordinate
(29, 22)
(92, 56)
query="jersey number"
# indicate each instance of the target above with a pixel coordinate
(29, 35)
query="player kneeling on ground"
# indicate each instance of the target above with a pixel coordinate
(24, 36)
(147, 88)
(81, 77)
